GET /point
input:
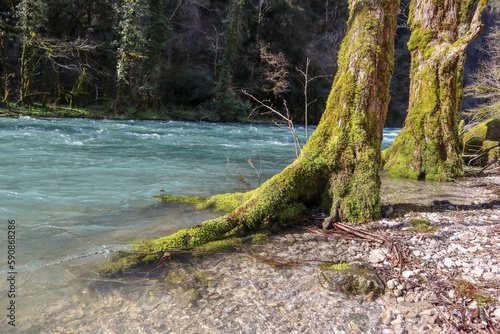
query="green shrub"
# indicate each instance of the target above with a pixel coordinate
(192, 87)
(224, 109)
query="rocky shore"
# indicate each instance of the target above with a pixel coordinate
(450, 281)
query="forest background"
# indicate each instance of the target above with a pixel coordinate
(190, 59)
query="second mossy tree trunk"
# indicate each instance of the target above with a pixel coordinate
(340, 162)
(428, 146)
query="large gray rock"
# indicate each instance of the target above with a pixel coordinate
(354, 278)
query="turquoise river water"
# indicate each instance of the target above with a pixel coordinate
(97, 179)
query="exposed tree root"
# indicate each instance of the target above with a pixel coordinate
(340, 162)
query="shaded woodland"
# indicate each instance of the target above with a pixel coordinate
(185, 59)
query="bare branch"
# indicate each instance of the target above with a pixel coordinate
(287, 119)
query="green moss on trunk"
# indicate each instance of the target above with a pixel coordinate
(428, 146)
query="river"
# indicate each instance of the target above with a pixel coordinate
(96, 179)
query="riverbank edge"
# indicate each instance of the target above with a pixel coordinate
(449, 281)
(186, 115)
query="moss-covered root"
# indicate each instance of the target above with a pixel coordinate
(219, 203)
(342, 158)
(276, 203)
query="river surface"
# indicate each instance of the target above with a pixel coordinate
(75, 187)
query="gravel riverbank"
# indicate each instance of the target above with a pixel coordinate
(450, 282)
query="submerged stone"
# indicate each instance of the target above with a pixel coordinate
(354, 278)
(480, 143)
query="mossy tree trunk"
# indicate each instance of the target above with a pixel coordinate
(342, 158)
(131, 44)
(32, 16)
(428, 145)
(231, 40)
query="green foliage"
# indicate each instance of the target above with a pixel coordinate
(232, 30)
(32, 16)
(191, 87)
(130, 48)
(224, 109)
(157, 31)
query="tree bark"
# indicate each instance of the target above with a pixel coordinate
(340, 162)
(231, 33)
(428, 145)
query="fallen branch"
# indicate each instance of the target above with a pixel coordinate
(352, 233)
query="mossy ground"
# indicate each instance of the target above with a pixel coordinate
(421, 225)
(186, 277)
(334, 266)
(489, 130)
(470, 290)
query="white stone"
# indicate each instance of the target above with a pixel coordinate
(398, 292)
(408, 273)
(449, 262)
(477, 272)
(466, 236)
(391, 284)
(377, 256)
(496, 313)
(489, 276)
(475, 248)
(386, 317)
(472, 305)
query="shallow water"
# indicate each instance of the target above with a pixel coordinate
(398, 190)
(97, 179)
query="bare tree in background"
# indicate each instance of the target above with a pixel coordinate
(486, 80)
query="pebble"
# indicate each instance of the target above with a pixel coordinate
(408, 273)
(391, 284)
(386, 317)
(478, 272)
(473, 305)
(377, 256)
(449, 262)
(489, 276)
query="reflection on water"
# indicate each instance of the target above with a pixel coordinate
(399, 190)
